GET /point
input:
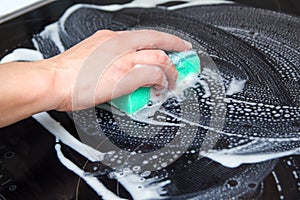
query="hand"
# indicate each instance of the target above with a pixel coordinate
(94, 71)
(111, 64)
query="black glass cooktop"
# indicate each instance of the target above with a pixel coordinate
(30, 169)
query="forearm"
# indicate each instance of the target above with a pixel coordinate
(25, 90)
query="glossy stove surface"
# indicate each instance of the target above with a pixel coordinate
(29, 168)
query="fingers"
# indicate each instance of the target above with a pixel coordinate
(142, 39)
(144, 75)
(156, 58)
(102, 66)
(95, 40)
(150, 39)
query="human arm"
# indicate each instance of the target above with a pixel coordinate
(31, 87)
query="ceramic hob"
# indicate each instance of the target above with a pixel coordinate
(251, 44)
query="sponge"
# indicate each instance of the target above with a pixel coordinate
(186, 63)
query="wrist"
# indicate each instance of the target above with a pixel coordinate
(58, 84)
(45, 96)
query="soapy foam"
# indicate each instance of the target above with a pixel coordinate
(234, 87)
(65, 137)
(51, 32)
(233, 158)
(218, 156)
(22, 54)
(135, 184)
(142, 4)
(93, 182)
(157, 100)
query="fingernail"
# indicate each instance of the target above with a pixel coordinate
(188, 44)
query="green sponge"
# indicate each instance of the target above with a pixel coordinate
(186, 63)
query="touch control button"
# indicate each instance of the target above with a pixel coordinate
(9, 154)
(12, 188)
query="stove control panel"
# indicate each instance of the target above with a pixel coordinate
(7, 181)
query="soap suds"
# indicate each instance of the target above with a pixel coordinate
(22, 54)
(260, 97)
(93, 182)
(235, 86)
(65, 137)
